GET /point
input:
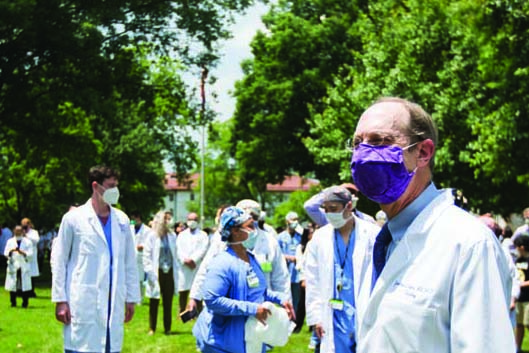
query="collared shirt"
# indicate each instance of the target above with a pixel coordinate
(288, 244)
(399, 224)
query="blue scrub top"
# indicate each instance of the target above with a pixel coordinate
(344, 320)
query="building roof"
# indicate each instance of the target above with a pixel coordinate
(290, 184)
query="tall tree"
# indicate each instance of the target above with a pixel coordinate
(86, 82)
(294, 63)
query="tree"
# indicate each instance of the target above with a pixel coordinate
(465, 63)
(91, 82)
(294, 63)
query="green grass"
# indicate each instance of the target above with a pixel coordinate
(35, 330)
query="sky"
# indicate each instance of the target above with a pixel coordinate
(233, 51)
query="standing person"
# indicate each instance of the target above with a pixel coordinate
(522, 306)
(524, 228)
(5, 235)
(34, 237)
(336, 269)
(140, 232)
(289, 240)
(19, 252)
(95, 277)
(234, 289)
(161, 268)
(191, 246)
(440, 278)
(313, 206)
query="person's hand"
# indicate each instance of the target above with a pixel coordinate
(262, 314)
(190, 263)
(22, 252)
(319, 331)
(303, 284)
(513, 304)
(62, 313)
(191, 305)
(129, 311)
(290, 310)
(139, 248)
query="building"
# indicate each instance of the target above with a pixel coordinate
(180, 193)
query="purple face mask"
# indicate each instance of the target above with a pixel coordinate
(379, 172)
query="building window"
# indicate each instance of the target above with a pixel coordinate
(192, 196)
(171, 197)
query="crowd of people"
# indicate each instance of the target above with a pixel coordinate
(423, 275)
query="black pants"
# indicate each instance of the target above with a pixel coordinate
(167, 291)
(300, 311)
(24, 295)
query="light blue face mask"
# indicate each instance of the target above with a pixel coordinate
(252, 238)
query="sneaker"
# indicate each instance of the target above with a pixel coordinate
(312, 345)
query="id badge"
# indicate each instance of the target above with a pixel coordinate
(253, 281)
(293, 248)
(336, 304)
(266, 266)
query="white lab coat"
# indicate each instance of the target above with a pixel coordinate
(80, 264)
(151, 263)
(139, 239)
(216, 246)
(33, 235)
(445, 289)
(319, 279)
(190, 245)
(12, 266)
(266, 249)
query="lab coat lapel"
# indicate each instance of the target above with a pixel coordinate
(412, 242)
(359, 256)
(94, 221)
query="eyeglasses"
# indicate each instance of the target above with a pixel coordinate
(378, 140)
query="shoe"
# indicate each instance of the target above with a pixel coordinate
(312, 345)
(150, 333)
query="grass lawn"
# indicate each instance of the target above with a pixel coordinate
(35, 330)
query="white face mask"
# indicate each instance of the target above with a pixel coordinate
(527, 221)
(247, 231)
(252, 238)
(336, 219)
(192, 224)
(293, 225)
(111, 195)
(18, 237)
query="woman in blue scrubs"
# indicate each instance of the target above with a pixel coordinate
(234, 289)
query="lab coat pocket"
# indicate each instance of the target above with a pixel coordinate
(87, 244)
(406, 325)
(83, 303)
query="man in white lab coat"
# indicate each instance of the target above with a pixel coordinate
(191, 247)
(140, 232)
(95, 279)
(337, 262)
(440, 278)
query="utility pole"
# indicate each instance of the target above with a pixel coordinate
(203, 141)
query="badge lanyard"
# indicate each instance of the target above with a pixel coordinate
(339, 281)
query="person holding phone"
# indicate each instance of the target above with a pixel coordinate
(234, 289)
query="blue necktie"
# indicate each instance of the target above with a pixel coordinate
(380, 250)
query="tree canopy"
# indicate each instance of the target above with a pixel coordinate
(91, 82)
(323, 62)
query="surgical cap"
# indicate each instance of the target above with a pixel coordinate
(231, 217)
(250, 206)
(291, 216)
(337, 194)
